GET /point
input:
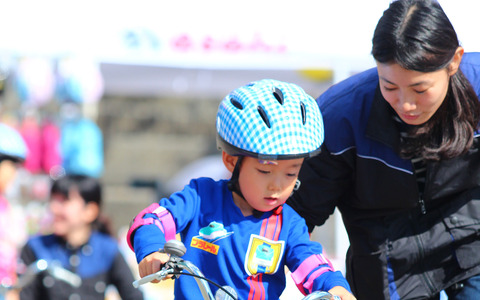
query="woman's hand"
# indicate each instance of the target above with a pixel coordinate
(341, 292)
(152, 263)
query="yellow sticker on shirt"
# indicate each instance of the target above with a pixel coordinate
(263, 255)
(204, 245)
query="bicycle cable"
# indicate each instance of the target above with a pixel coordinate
(208, 280)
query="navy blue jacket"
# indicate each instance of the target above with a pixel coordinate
(99, 263)
(395, 251)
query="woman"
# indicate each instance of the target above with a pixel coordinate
(401, 161)
(81, 244)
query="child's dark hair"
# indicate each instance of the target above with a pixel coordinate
(90, 190)
(418, 36)
(11, 158)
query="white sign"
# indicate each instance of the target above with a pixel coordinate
(246, 34)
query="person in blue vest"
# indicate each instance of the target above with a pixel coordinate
(401, 161)
(239, 232)
(81, 245)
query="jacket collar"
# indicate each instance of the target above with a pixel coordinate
(381, 126)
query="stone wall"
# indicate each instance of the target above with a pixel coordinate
(150, 139)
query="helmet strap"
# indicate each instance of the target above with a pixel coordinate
(233, 184)
(257, 214)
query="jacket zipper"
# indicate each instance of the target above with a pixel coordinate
(422, 254)
(423, 209)
(421, 198)
(418, 239)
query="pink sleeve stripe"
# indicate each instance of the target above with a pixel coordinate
(166, 223)
(169, 228)
(308, 266)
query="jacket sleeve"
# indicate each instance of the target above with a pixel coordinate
(325, 181)
(121, 277)
(470, 66)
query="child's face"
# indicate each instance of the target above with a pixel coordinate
(70, 214)
(8, 170)
(268, 184)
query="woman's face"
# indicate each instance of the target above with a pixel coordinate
(415, 96)
(71, 213)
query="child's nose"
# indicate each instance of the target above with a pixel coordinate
(274, 184)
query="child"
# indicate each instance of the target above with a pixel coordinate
(239, 232)
(80, 243)
(13, 151)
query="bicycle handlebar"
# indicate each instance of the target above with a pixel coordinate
(176, 265)
(38, 266)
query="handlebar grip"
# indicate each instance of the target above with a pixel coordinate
(159, 276)
(144, 280)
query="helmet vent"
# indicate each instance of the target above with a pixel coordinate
(304, 112)
(277, 93)
(236, 103)
(264, 116)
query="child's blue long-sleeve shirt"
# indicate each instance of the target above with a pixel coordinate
(246, 253)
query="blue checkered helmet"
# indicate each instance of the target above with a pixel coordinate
(12, 144)
(271, 120)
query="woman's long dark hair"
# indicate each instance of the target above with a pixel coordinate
(89, 189)
(418, 36)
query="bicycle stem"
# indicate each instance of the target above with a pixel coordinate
(192, 269)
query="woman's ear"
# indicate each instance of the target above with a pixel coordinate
(229, 161)
(455, 64)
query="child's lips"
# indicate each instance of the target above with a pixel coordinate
(271, 200)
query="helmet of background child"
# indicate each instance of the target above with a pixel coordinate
(12, 144)
(271, 120)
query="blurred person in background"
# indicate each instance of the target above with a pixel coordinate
(81, 243)
(401, 161)
(13, 152)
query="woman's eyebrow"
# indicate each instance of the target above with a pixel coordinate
(411, 85)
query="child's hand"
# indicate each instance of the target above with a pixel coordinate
(152, 263)
(341, 292)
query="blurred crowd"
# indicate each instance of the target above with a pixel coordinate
(51, 166)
